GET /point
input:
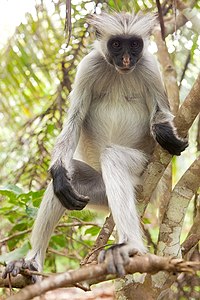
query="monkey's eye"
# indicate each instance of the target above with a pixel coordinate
(135, 44)
(116, 44)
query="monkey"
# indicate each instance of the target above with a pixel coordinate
(118, 112)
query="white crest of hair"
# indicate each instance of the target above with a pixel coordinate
(124, 24)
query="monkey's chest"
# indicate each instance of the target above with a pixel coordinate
(123, 119)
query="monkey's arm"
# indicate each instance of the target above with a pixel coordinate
(67, 141)
(161, 123)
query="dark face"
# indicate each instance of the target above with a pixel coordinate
(124, 52)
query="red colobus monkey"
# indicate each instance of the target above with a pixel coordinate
(118, 110)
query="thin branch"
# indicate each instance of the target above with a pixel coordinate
(161, 21)
(68, 22)
(8, 238)
(185, 68)
(180, 20)
(97, 273)
(101, 241)
(189, 243)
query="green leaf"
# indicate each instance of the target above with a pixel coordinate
(15, 254)
(11, 188)
(20, 227)
(31, 212)
(94, 230)
(11, 191)
(59, 240)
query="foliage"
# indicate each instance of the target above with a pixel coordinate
(19, 210)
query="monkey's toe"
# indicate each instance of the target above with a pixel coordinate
(16, 267)
(65, 192)
(117, 257)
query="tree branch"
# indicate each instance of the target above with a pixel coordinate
(170, 229)
(180, 20)
(96, 273)
(101, 240)
(161, 158)
(168, 71)
(189, 109)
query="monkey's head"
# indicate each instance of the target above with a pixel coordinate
(122, 38)
(124, 52)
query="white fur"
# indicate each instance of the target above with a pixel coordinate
(121, 170)
(50, 212)
(109, 127)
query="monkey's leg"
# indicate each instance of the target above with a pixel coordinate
(49, 213)
(121, 170)
(86, 181)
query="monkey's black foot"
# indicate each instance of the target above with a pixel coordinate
(166, 136)
(116, 257)
(15, 267)
(64, 190)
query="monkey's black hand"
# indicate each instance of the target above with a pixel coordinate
(165, 135)
(116, 257)
(16, 267)
(64, 190)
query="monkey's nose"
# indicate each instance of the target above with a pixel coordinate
(126, 60)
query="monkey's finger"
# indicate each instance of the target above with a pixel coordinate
(13, 267)
(119, 261)
(70, 202)
(101, 256)
(16, 271)
(74, 194)
(67, 195)
(8, 269)
(125, 256)
(110, 263)
(30, 265)
(133, 251)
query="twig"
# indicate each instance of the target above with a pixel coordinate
(185, 68)
(101, 240)
(189, 243)
(8, 238)
(162, 26)
(80, 223)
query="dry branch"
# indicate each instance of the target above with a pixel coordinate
(10, 237)
(101, 240)
(168, 72)
(189, 110)
(96, 273)
(171, 226)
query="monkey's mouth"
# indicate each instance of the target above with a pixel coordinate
(124, 70)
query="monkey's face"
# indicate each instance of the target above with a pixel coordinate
(124, 52)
